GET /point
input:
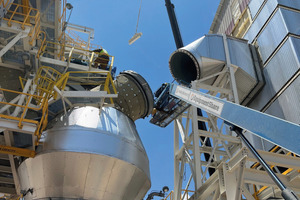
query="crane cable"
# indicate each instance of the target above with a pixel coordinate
(136, 35)
(137, 24)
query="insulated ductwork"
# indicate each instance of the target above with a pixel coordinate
(207, 56)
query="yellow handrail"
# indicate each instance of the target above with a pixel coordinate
(43, 42)
(4, 4)
(104, 78)
(77, 40)
(80, 53)
(25, 107)
(32, 13)
(47, 78)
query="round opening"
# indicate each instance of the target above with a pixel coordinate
(184, 67)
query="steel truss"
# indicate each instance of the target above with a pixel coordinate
(237, 174)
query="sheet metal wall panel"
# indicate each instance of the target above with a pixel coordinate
(240, 55)
(226, 19)
(254, 6)
(262, 98)
(260, 20)
(283, 22)
(265, 13)
(292, 20)
(292, 4)
(278, 71)
(211, 46)
(289, 100)
(283, 65)
(271, 36)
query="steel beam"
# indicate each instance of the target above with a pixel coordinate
(207, 188)
(177, 180)
(259, 177)
(219, 136)
(260, 124)
(13, 42)
(196, 151)
(88, 94)
(8, 141)
(12, 125)
(233, 86)
(7, 190)
(5, 169)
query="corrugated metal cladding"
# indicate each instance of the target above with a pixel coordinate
(283, 22)
(289, 102)
(229, 15)
(265, 13)
(254, 7)
(240, 56)
(272, 29)
(278, 71)
(283, 64)
(261, 19)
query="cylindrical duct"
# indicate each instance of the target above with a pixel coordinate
(205, 57)
(197, 60)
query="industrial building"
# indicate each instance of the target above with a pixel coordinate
(62, 106)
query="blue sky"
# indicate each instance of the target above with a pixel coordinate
(114, 23)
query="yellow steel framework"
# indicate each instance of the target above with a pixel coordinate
(46, 79)
(23, 15)
(41, 124)
(94, 78)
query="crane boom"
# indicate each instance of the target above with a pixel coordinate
(263, 125)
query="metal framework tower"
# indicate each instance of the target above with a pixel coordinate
(238, 175)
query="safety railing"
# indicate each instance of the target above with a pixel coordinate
(185, 194)
(42, 39)
(62, 18)
(4, 3)
(47, 78)
(25, 107)
(25, 16)
(75, 54)
(103, 79)
(285, 172)
(76, 40)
